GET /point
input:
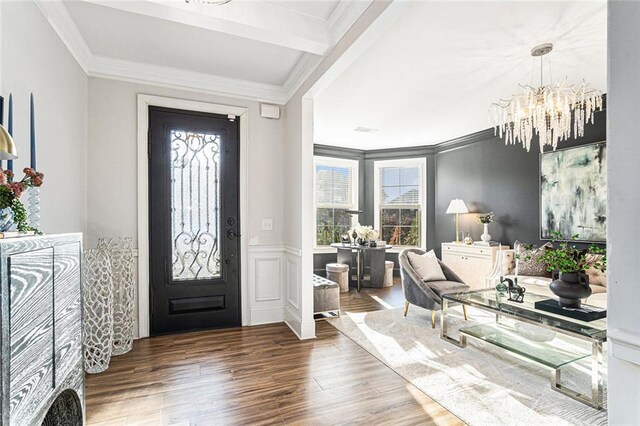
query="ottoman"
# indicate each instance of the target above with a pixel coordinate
(326, 297)
(339, 273)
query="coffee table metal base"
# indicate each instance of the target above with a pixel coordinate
(594, 400)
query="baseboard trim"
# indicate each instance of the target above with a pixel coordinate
(261, 316)
(300, 328)
(625, 345)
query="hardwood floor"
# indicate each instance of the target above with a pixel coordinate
(260, 375)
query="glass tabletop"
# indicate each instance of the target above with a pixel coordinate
(359, 247)
(487, 300)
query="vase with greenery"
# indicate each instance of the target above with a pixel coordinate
(568, 264)
(13, 215)
(485, 219)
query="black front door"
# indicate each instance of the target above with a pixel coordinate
(194, 260)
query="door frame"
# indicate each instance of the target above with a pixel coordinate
(242, 113)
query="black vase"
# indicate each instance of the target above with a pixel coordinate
(570, 288)
(362, 241)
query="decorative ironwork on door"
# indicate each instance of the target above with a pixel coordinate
(195, 205)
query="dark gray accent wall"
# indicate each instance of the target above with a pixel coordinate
(479, 168)
(491, 176)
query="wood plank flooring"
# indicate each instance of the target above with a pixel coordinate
(260, 375)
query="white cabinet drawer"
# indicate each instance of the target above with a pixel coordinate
(471, 263)
(467, 250)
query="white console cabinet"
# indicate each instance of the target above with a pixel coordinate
(472, 263)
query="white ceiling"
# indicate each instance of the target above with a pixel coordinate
(256, 49)
(432, 77)
(127, 36)
(319, 8)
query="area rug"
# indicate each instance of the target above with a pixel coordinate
(481, 384)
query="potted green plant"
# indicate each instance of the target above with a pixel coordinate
(568, 264)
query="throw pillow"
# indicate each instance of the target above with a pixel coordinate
(596, 276)
(508, 262)
(427, 266)
(528, 262)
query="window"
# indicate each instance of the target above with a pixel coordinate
(400, 201)
(336, 191)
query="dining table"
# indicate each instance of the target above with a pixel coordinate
(376, 255)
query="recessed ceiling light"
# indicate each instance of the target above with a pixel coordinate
(365, 129)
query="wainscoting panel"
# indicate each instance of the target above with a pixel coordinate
(266, 286)
(293, 316)
(293, 291)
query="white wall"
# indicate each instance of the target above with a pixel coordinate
(623, 241)
(112, 185)
(112, 207)
(34, 59)
(298, 144)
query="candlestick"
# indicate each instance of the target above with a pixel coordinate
(34, 207)
(10, 127)
(33, 134)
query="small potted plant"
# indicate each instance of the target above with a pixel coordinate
(13, 215)
(568, 264)
(485, 219)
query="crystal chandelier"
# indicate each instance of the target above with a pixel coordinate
(549, 111)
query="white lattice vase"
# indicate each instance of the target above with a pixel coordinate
(121, 254)
(486, 237)
(97, 293)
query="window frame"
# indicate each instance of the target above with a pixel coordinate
(421, 163)
(334, 162)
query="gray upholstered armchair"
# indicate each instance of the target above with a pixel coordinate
(427, 294)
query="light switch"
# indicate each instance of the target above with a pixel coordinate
(267, 224)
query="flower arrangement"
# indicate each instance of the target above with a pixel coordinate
(10, 192)
(366, 233)
(485, 218)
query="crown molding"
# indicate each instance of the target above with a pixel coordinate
(186, 80)
(344, 16)
(338, 152)
(301, 71)
(60, 20)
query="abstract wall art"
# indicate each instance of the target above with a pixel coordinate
(573, 193)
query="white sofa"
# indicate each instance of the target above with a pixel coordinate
(505, 266)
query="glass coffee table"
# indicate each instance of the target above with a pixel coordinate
(503, 334)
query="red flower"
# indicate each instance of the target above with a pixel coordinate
(3, 178)
(17, 188)
(8, 173)
(36, 181)
(29, 172)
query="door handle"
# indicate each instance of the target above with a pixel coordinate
(231, 234)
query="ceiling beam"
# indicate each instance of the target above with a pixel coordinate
(260, 21)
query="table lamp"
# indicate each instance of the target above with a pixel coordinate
(8, 149)
(456, 207)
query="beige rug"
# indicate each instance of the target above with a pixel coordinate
(480, 384)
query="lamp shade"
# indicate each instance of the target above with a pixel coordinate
(8, 149)
(457, 206)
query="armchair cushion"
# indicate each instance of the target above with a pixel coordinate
(426, 266)
(447, 287)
